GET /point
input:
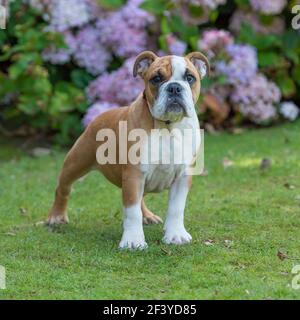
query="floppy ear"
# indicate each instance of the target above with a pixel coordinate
(201, 63)
(142, 63)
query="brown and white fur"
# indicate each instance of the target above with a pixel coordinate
(151, 110)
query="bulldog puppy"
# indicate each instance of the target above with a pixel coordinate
(172, 87)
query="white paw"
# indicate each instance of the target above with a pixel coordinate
(177, 236)
(59, 219)
(133, 240)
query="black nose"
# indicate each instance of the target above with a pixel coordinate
(174, 88)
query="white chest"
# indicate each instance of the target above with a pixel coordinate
(167, 154)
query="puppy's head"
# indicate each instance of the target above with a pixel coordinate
(172, 83)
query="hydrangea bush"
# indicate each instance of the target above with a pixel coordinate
(63, 62)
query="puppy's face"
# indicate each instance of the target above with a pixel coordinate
(172, 83)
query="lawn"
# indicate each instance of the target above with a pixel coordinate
(240, 216)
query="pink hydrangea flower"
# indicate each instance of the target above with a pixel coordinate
(213, 41)
(90, 52)
(176, 46)
(124, 30)
(65, 14)
(95, 110)
(268, 6)
(276, 26)
(211, 4)
(256, 99)
(242, 65)
(289, 110)
(58, 55)
(118, 87)
(183, 8)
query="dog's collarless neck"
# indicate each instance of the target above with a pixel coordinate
(167, 122)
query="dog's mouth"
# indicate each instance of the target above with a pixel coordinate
(175, 105)
(175, 110)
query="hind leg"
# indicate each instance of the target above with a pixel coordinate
(148, 216)
(77, 163)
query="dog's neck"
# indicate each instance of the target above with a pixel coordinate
(158, 124)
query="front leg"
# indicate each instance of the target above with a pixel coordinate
(174, 229)
(132, 192)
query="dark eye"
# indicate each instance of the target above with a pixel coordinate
(190, 78)
(156, 79)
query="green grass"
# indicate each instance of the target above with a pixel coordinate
(251, 208)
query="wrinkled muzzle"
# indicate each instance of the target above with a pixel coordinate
(174, 102)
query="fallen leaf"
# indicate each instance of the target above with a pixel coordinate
(227, 163)
(12, 234)
(116, 214)
(40, 152)
(39, 223)
(228, 243)
(238, 265)
(297, 199)
(167, 252)
(209, 242)
(287, 140)
(265, 164)
(236, 130)
(289, 186)
(23, 211)
(282, 256)
(210, 128)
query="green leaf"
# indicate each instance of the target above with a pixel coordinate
(196, 11)
(259, 41)
(3, 37)
(110, 4)
(28, 104)
(270, 59)
(7, 53)
(287, 86)
(266, 19)
(7, 85)
(296, 74)
(185, 31)
(41, 87)
(291, 45)
(213, 15)
(193, 41)
(242, 3)
(291, 39)
(19, 67)
(207, 82)
(80, 78)
(163, 43)
(164, 26)
(66, 98)
(154, 6)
